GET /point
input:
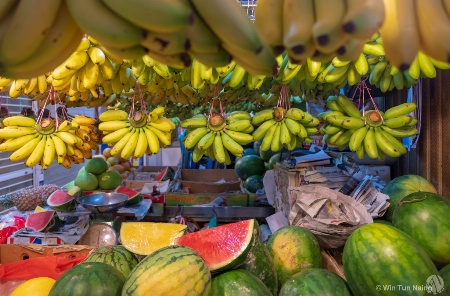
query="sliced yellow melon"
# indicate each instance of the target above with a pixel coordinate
(39, 209)
(143, 238)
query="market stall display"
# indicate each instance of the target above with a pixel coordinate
(286, 141)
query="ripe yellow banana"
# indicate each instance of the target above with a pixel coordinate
(36, 156)
(49, 153)
(141, 145)
(113, 115)
(130, 145)
(14, 144)
(19, 120)
(162, 125)
(60, 146)
(152, 141)
(164, 138)
(117, 135)
(13, 132)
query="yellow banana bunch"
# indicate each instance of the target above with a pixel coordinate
(134, 136)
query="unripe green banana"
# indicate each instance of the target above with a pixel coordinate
(370, 144)
(400, 132)
(219, 151)
(344, 139)
(206, 141)
(276, 144)
(331, 129)
(295, 114)
(333, 104)
(242, 115)
(394, 141)
(231, 145)
(400, 110)
(285, 136)
(357, 138)
(262, 116)
(260, 132)
(238, 125)
(240, 137)
(194, 137)
(398, 122)
(195, 122)
(385, 145)
(348, 106)
(268, 137)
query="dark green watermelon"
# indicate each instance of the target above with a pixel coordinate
(115, 256)
(315, 281)
(238, 282)
(401, 186)
(273, 160)
(266, 155)
(250, 151)
(444, 273)
(259, 262)
(254, 183)
(424, 216)
(90, 278)
(249, 165)
(378, 257)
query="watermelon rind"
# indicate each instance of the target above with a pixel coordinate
(315, 281)
(172, 270)
(90, 278)
(259, 262)
(60, 200)
(238, 282)
(378, 255)
(423, 216)
(249, 165)
(134, 196)
(223, 247)
(116, 256)
(42, 221)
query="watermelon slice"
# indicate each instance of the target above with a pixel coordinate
(223, 247)
(166, 174)
(134, 196)
(60, 200)
(43, 221)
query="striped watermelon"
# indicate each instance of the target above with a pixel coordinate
(90, 278)
(238, 282)
(225, 246)
(259, 262)
(315, 281)
(293, 249)
(423, 216)
(115, 256)
(378, 257)
(173, 270)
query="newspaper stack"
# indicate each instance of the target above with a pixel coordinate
(368, 193)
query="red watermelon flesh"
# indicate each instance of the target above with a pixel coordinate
(40, 221)
(222, 247)
(134, 196)
(165, 174)
(60, 200)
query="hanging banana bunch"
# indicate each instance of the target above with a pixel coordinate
(372, 133)
(218, 134)
(43, 141)
(284, 126)
(136, 135)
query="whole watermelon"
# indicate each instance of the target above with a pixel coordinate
(90, 278)
(315, 281)
(293, 249)
(115, 256)
(249, 165)
(249, 151)
(266, 154)
(378, 257)
(254, 183)
(259, 262)
(424, 216)
(173, 270)
(238, 282)
(402, 186)
(444, 273)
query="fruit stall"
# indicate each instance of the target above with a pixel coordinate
(252, 147)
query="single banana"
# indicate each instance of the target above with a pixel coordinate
(152, 141)
(141, 144)
(285, 136)
(357, 138)
(238, 125)
(219, 151)
(11, 133)
(360, 153)
(194, 137)
(276, 144)
(14, 144)
(361, 64)
(68, 138)
(231, 145)
(400, 110)
(260, 132)
(25, 150)
(240, 137)
(398, 122)
(344, 139)
(363, 18)
(377, 72)
(262, 116)
(195, 122)
(385, 145)
(271, 33)
(162, 125)
(206, 141)
(242, 115)
(397, 144)
(164, 137)
(60, 146)
(426, 66)
(113, 125)
(130, 145)
(49, 153)
(116, 135)
(36, 156)
(113, 115)
(333, 104)
(295, 114)
(331, 129)
(19, 120)
(370, 144)
(268, 137)
(400, 132)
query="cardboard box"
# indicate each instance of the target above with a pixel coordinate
(35, 240)
(14, 253)
(210, 180)
(144, 175)
(189, 199)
